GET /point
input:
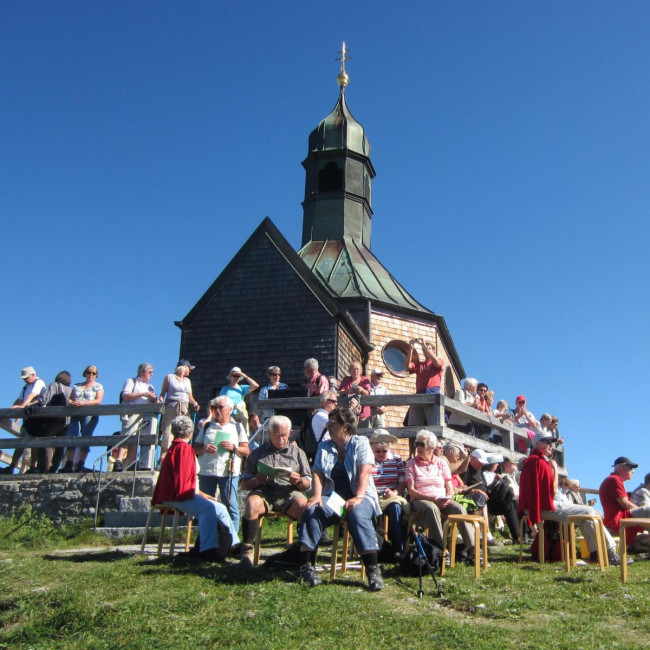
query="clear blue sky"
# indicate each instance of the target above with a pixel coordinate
(142, 143)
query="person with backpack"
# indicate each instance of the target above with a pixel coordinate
(314, 430)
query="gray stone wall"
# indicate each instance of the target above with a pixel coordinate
(68, 498)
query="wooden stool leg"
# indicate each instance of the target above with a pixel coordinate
(540, 541)
(603, 560)
(146, 529)
(163, 524)
(189, 533)
(289, 532)
(172, 543)
(453, 529)
(565, 541)
(623, 553)
(477, 552)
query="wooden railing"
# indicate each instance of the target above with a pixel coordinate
(147, 438)
(509, 434)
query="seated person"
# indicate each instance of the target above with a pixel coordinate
(458, 421)
(481, 474)
(537, 487)
(428, 480)
(389, 475)
(282, 493)
(343, 465)
(641, 496)
(615, 502)
(177, 487)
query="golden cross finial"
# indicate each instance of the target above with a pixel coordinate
(343, 78)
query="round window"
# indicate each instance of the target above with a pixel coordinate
(394, 356)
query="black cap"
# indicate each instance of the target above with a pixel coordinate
(185, 362)
(622, 460)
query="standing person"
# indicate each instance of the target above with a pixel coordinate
(87, 393)
(343, 465)
(273, 374)
(31, 393)
(428, 378)
(57, 394)
(176, 487)
(138, 390)
(283, 493)
(220, 446)
(316, 383)
(356, 384)
(615, 502)
(236, 391)
(537, 487)
(176, 394)
(378, 413)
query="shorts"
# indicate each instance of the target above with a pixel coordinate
(281, 504)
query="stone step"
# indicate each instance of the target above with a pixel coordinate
(134, 504)
(138, 531)
(129, 519)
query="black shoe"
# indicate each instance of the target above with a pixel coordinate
(33, 470)
(324, 539)
(375, 581)
(7, 470)
(309, 575)
(117, 466)
(235, 550)
(80, 468)
(68, 468)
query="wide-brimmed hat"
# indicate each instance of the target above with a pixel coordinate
(542, 436)
(382, 436)
(26, 372)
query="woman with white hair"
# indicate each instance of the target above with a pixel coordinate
(466, 396)
(176, 394)
(220, 447)
(176, 487)
(428, 480)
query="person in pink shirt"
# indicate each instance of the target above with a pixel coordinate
(428, 379)
(356, 384)
(428, 481)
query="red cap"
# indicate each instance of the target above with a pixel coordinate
(520, 398)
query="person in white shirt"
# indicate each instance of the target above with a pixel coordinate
(378, 415)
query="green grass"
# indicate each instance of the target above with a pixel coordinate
(105, 598)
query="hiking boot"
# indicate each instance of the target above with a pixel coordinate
(375, 582)
(613, 557)
(68, 468)
(493, 541)
(247, 556)
(309, 575)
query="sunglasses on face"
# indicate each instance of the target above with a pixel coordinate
(420, 444)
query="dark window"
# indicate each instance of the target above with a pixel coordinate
(330, 178)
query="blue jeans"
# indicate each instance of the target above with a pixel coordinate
(207, 512)
(209, 485)
(359, 522)
(395, 526)
(84, 426)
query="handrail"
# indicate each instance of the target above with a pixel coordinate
(80, 411)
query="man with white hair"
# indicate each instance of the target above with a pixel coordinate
(615, 502)
(277, 474)
(465, 396)
(316, 383)
(537, 487)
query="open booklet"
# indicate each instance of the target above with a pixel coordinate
(276, 474)
(334, 504)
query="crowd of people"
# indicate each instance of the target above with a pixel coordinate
(204, 467)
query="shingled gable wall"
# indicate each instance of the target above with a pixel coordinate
(262, 314)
